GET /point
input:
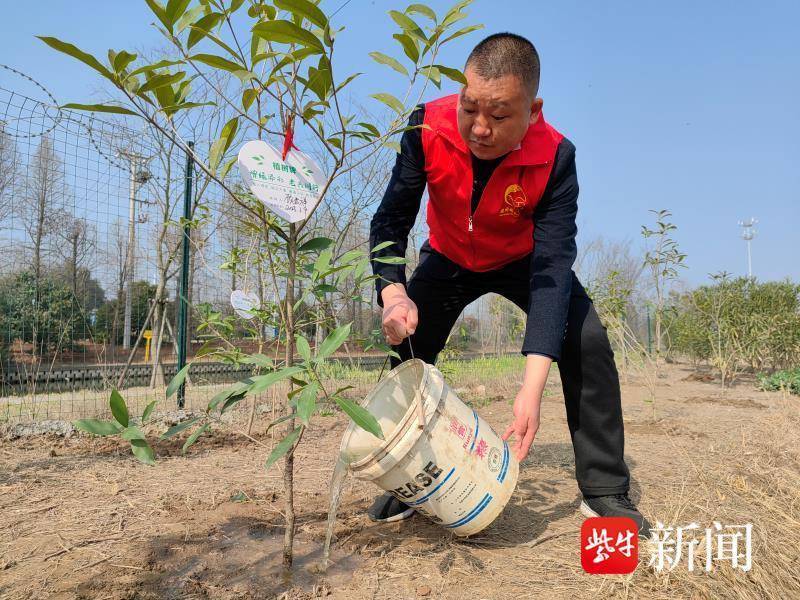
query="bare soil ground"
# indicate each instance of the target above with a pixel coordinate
(80, 518)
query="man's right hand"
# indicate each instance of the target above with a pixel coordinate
(399, 314)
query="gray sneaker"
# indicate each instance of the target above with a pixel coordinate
(615, 505)
(388, 509)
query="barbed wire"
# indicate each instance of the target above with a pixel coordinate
(54, 105)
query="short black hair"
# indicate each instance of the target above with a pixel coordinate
(506, 53)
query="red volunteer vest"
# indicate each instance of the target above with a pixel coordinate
(501, 230)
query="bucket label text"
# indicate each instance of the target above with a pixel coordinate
(421, 480)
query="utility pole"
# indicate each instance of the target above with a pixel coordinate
(138, 177)
(748, 233)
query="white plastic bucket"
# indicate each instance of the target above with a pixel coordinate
(439, 456)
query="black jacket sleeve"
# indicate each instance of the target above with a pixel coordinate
(554, 253)
(399, 207)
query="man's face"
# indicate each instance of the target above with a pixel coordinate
(494, 114)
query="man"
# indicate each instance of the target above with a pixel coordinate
(503, 191)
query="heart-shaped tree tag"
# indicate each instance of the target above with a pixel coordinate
(290, 187)
(244, 303)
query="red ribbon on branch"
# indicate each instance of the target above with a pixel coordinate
(288, 136)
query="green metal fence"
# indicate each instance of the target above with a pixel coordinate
(101, 277)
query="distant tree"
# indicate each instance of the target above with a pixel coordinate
(8, 171)
(40, 312)
(38, 207)
(662, 260)
(116, 256)
(39, 202)
(77, 250)
(87, 291)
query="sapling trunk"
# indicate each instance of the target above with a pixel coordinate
(288, 469)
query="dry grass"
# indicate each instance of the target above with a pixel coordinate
(80, 518)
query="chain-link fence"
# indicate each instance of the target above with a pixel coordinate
(91, 230)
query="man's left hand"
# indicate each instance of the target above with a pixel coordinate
(526, 421)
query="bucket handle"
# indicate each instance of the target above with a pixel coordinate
(418, 395)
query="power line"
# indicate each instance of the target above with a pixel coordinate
(333, 14)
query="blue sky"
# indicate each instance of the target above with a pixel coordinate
(690, 106)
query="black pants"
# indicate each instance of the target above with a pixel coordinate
(442, 289)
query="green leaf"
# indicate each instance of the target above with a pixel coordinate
(283, 447)
(176, 429)
(286, 32)
(409, 45)
(194, 437)
(323, 262)
(381, 246)
(142, 450)
(461, 32)
(176, 382)
(303, 347)
(249, 96)
(326, 288)
(148, 410)
(336, 338)
(207, 348)
(422, 10)
(455, 14)
(390, 101)
(262, 382)
(238, 389)
(76, 52)
(390, 260)
(433, 74)
(97, 427)
(160, 12)
(132, 433)
(189, 17)
(105, 108)
(118, 408)
(232, 401)
(169, 110)
(360, 416)
(121, 60)
(319, 82)
(175, 10)
(389, 61)
(235, 5)
(162, 64)
(346, 81)
(307, 403)
(212, 60)
(335, 141)
(408, 25)
(159, 81)
(453, 74)
(373, 131)
(226, 167)
(393, 145)
(305, 9)
(202, 27)
(317, 243)
(258, 359)
(278, 421)
(220, 146)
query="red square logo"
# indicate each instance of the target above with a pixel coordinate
(609, 545)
